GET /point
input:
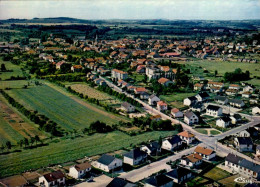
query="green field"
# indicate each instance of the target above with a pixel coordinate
(217, 174)
(214, 132)
(222, 67)
(202, 131)
(62, 109)
(9, 66)
(69, 150)
(176, 97)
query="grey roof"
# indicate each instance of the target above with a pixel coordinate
(174, 139)
(233, 158)
(203, 95)
(158, 180)
(189, 113)
(225, 119)
(153, 146)
(106, 159)
(213, 107)
(192, 98)
(135, 153)
(152, 96)
(245, 140)
(258, 147)
(197, 105)
(126, 105)
(238, 101)
(220, 98)
(250, 165)
(119, 182)
(178, 173)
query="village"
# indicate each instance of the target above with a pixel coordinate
(217, 121)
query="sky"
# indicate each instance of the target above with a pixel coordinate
(132, 9)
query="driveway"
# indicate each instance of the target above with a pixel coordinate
(100, 181)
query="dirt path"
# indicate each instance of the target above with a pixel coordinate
(80, 101)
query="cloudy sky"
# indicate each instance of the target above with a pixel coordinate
(132, 9)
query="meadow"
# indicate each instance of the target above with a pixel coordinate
(16, 70)
(61, 108)
(65, 149)
(222, 67)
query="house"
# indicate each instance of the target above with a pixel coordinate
(152, 148)
(164, 81)
(139, 90)
(172, 143)
(135, 157)
(59, 64)
(198, 107)
(187, 136)
(249, 88)
(255, 110)
(190, 118)
(156, 118)
(243, 133)
(235, 118)
(234, 86)
(125, 106)
(206, 153)
(242, 166)
(236, 103)
(153, 99)
(231, 92)
(56, 178)
(118, 74)
(179, 175)
(189, 101)
(221, 100)
(119, 182)
(176, 113)
(215, 84)
(144, 95)
(198, 87)
(223, 122)
(213, 110)
(79, 170)
(162, 106)
(252, 131)
(158, 181)
(246, 94)
(108, 163)
(201, 97)
(192, 160)
(244, 144)
(76, 68)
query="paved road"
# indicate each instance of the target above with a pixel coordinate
(146, 171)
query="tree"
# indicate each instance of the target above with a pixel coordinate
(8, 145)
(32, 140)
(37, 139)
(26, 142)
(2, 147)
(3, 68)
(20, 143)
(216, 72)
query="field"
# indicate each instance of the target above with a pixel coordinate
(222, 67)
(68, 150)
(16, 71)
(61, 108)
(94, 93)
(14, 126)
(217, 174)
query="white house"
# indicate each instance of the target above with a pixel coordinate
(255, 110)
(221, 100)
(118, 74)
(201, 97)
(127, 107)
(171, 143)
(243, 133)
(135, 157)
(187, 137)
(162, 106)
(152, 148)
(108, 163)
(190, 118)
(79, 170)
(51, 179)
(176, 113)
(153, 99)
(192, 160)
(213, 110)
(223, 122)
(179, 174)
(189, 101)
(236, 103)
(206, 153)
(244, 144)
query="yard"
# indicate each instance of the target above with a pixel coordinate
(66, 110)
(217, 174)
(64, 150)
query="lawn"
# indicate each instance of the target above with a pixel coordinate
(214, 132)
(222, 67)
(202, 131)
(9, 66)
(63, 109)
(217, 174)
(176, 97)
(68, 150)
